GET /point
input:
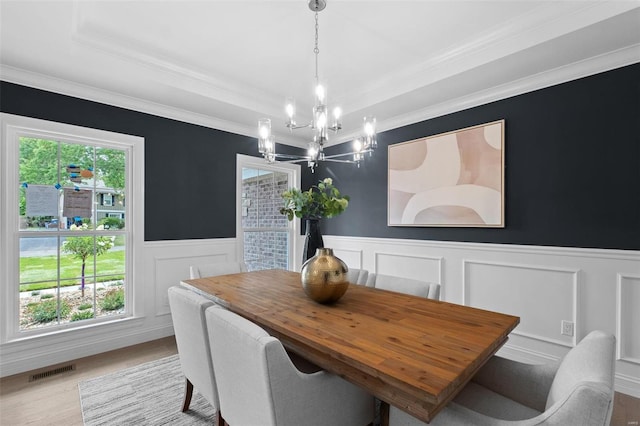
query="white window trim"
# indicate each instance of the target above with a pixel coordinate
(14, 126)
(246, 161)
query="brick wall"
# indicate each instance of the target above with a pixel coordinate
(265, 230)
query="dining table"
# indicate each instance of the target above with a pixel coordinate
(411, 352)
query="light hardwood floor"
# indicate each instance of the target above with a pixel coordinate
(54, 400)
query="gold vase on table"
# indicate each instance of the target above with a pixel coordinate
(324, 277)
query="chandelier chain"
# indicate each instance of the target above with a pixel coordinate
(316, 50)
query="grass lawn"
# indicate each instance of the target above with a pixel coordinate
(110, 266)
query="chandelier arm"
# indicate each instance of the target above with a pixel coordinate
(292, 157)
(346, 154)
(301, 126)
(301, 160)
(335, 160)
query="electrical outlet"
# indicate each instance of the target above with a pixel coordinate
(567, 328)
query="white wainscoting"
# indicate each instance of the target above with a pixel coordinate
(165, 263)
(593, 288)
(171, 262)
(628, 318)
(511, 288)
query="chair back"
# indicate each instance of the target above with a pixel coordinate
(216, 268)
(357, 276)
(189, 324)
(591, 362)
(259, 384)
(405, 285)
(241, 368)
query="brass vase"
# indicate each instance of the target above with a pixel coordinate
(324, 277)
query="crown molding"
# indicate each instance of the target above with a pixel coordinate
(591, 66)
(169, 70)
(606, 62)
(70, 88)
(539, 25)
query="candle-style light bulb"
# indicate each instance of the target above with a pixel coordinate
(322, 120)
(320, 94)
(357, 145)
(290, 109)
(336, 124)
(264, 128)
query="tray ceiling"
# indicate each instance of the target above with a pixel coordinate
(225, 64)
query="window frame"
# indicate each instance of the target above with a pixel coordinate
(15, 126)
(293, 170)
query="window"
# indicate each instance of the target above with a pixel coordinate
(66, 263)
(266, 238)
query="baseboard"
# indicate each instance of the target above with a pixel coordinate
(627, 385)
(25, 360)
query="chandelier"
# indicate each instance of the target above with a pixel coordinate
(321, 124)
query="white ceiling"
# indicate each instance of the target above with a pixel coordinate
(224, 64)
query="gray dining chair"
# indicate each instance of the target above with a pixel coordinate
(357, 276)
(216, 268)
(575, 391)
(194, 348)
(404, 285)
(260, 385)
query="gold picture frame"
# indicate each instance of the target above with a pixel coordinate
(454, 179)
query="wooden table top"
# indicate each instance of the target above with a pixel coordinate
(411, 352)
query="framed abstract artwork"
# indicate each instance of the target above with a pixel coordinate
(451, 179)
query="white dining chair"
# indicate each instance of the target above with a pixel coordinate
(357, 276)
(216, 268)
(259, 384)
(578, 391)
(194, 348)
(404, 285)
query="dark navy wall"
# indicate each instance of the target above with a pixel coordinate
(190, 175)
(572, 168)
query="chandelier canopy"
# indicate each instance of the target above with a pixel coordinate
(321, 123)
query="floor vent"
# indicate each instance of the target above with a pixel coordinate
(49, 373)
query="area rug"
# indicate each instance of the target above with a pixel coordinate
(148, 394)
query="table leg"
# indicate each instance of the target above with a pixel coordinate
(384, 413)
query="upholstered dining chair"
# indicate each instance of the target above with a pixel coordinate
(216, 268)
(357, 276)
(259, 385)
(575, 391)
(194, 350)
(404, 285)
